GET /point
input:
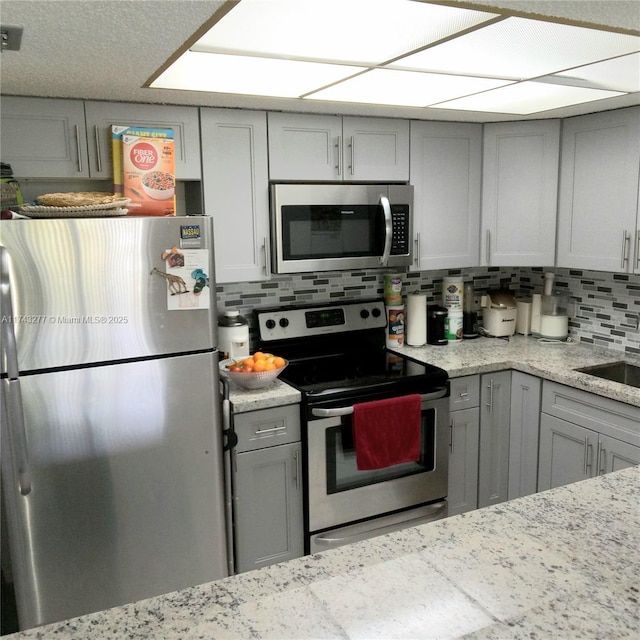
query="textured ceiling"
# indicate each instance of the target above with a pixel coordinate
(108, 49)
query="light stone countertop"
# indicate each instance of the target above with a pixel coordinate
(562, 564)
(550, 361)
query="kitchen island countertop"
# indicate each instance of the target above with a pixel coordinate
(562, 563)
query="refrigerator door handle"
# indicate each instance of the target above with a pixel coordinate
(17, 435)
(9, 347)
(15, 410)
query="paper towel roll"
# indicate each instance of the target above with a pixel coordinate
(416, 319)
(523, 317)
(536, 307)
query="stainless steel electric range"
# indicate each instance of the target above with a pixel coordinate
(337, 359)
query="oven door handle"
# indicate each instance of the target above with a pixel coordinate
(319, 412)
(388, 230)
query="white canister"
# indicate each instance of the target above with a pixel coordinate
(452, 293)
(453, 327)
(395, 325)
(233, 335)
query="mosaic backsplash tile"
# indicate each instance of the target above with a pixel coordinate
(605, 306)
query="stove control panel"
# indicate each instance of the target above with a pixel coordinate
(299, 322)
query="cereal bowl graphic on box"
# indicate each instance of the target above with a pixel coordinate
(148, 171)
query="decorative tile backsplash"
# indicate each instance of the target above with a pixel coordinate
(605, 307)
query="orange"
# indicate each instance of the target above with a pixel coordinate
(260, 365)
(258, 355)
(269, 366)
(279, 362)
(248, 362)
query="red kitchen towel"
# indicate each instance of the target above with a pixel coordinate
(387, 432)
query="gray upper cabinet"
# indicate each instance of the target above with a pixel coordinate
(236, 191)
(446, 162)
(100, 116)
(44, 138)
(330, 148)
(598, 203)
(519, 193)
(47, 138)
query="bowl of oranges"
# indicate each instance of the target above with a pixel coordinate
(255, 371)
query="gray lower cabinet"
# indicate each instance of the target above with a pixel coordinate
(526, 393)
(583, 435)
(267, 488)
(495, 411)
(463, 444)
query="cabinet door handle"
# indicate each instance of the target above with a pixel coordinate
(270, 430)
(626, 238)
(96, 133)
(339, 147)
(490, 403)
(601, 457)
(464, 394)
(353, 154)
(587, 447)
(78, 149)
(452, 425)
(267, 257)
(487, 246)
(417, 245)
(638, 250)
(296, 461)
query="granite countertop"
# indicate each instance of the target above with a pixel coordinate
(562, 563)
(549, 360)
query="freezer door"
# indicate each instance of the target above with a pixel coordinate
(105, 289)
(126, 485)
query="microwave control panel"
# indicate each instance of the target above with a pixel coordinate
(400, 230)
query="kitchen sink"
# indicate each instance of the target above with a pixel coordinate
(616, 372)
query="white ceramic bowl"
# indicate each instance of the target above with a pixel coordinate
(159, 185)
(250, 380)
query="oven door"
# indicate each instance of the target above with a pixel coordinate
(339, 493)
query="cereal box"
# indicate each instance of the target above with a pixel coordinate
(148, 171)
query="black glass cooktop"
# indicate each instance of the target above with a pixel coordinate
(359, 372)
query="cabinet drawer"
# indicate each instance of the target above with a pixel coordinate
(267, 427)
(610, 417)
(465, 392)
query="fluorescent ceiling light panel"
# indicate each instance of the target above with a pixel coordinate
(404, 88)
(619, 74)
(519, 48)
(527, 97)
(365, 32)
(246, 75)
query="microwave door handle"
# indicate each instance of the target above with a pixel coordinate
(388, 230)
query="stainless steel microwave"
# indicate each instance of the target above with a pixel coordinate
(326, 227)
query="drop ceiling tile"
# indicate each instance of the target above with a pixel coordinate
(246, 75)
(405, 88)
(358, 31)
(519, 48)
(527, 97)
(619, 74)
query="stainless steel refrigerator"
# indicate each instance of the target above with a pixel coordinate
(112, 474)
